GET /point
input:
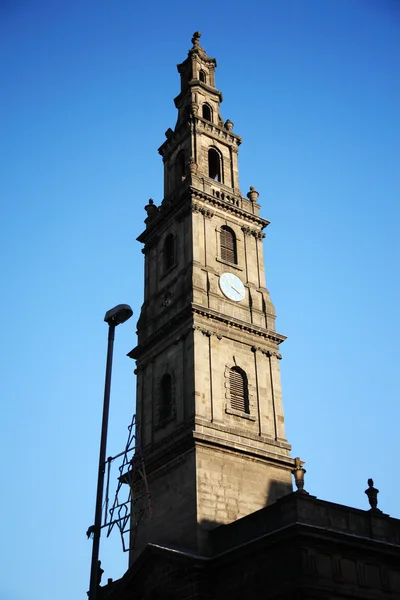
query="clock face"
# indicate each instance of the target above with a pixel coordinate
(232, 287)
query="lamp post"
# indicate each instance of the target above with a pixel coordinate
(117, 315)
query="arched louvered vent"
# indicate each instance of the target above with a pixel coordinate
(228, 245)
(166, 400)
(239, 390)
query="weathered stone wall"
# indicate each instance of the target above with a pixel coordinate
(174, 511)
(231, 485)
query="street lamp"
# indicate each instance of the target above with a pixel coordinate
(117, 315)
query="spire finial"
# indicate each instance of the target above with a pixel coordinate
(195, 39)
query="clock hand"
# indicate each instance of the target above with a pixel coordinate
(237, 291)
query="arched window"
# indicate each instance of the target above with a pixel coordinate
(169, 252)
(165, 411)
(239, 390)
(228, 245)
(202, 77)
(214, 164)
(207, 112)
(181, 166)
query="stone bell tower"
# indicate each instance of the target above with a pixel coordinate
(209, 399)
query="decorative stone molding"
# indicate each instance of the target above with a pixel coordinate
(183, 207)
(231, 207)
(207, 332)
(218, 131)
(270, 353)
(201, 209)
(241, 325)
(259, 235)
(226, 197)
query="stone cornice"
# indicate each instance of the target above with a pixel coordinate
(197, 83)
(232, 208)
(197, 123)
(189, 202)
(218, 131)
(195, 309)
(270, 452)
(238, 324)
(162, 332)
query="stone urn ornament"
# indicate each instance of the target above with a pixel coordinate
(252, 194)
(372, 494)
(299, 473)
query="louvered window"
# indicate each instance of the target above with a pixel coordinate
(238, 389)
(166, 401)
(228, 245)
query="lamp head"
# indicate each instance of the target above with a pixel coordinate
(119, 314)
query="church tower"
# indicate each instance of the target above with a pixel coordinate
(209, 402)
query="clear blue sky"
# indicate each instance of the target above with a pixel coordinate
(86, 96)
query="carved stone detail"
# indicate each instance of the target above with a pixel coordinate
(201, 209)
(206, 332)
(259, 235)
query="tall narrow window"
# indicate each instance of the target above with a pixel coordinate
(181, 166)
(169, 252)
(239, 390)
(207, 112)
(228, 245)
(202, 77)
(166, 401)
(214, 164)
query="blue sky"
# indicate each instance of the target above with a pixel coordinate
(87, 94)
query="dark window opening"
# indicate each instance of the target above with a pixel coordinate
(239, 390)
(166, 403)
(214, 165)
(202, 77)
(169, 251)
(207, 112)
(228, 245)
(181, 166)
